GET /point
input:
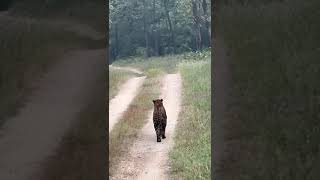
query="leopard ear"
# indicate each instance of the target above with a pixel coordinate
(161, 100)
(153, 101)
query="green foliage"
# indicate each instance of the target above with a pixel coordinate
(141, 51)
(168, 64)
(274, 52)
(153, 72)
(198, 56)
(161, 27)
(191, 155)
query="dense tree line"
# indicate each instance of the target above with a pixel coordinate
(154, 28)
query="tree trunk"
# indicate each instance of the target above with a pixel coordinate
(145, 29)
(154, 29)
(170, 26)
(117, 41)
(196, 19)
(206, 23)
(156, 43)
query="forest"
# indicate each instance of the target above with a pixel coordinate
(155, 28)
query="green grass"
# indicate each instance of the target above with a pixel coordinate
(191, 156)
(128, 127)
(274, 57)
(116, 79)
(169, 64)
(154, 72)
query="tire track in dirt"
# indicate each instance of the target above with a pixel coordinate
(148, 159)
(35, 132)
(120, 103)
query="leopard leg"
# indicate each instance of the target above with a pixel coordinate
(163, 130)
(157, 128)
(158, 132)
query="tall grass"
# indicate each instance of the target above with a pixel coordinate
(274, 101)
(168, 64)
(191, 155)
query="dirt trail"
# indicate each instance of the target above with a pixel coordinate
(128, 91)
(120, 103)
(147, 158)
(33, 134)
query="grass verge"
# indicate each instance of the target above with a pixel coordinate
(127, 128)
(168, 64)
(190, 157)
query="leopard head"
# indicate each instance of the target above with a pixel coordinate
(158, 103)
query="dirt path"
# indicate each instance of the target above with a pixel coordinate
(128, 91)
(121, 102)
(148, 159)
(33, 134)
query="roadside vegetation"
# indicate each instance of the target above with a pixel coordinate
(191, 156)
(274, 112)
(168, 64)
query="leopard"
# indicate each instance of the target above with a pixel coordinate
(159, 119)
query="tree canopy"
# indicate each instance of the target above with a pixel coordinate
(154, 28)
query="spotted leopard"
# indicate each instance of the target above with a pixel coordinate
(159, 119)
